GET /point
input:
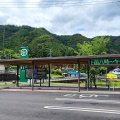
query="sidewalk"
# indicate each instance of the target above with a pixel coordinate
(63, 89)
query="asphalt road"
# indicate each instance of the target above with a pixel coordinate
(27, 105)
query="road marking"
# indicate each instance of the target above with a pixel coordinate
(85, 95)
(89, 100)
(83, 109)
(92, 95)
(70, 95)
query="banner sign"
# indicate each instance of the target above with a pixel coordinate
(105, 61)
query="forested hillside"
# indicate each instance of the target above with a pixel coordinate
(40, 42)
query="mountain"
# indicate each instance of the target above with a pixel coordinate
(71, 40)
(42, 43)
(114, 47)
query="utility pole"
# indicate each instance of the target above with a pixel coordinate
(50, 52)
(3, 44)
(10, 55)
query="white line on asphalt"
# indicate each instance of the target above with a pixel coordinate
(85, 95)
(83, 109)
(89, 100)
(92, 95)
(70, 95)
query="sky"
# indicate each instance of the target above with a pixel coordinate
(89, 18)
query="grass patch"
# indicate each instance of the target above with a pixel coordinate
(67, 84)
(7, 84)
(56, 76)
(72, 84)
(101, 83)
(10, 84)
(116, 83)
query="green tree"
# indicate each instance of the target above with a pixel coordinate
(99, 45)
(9, 54)
(84, 49)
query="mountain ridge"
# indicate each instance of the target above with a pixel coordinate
(40, 41)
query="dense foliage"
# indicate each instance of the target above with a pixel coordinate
(42, 43)
(97, 46)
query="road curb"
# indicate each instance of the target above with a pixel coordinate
(59, 90)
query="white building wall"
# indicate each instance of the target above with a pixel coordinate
(2, 68)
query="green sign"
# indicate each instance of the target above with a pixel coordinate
(23, 55)
(24, 52)
(104, 61)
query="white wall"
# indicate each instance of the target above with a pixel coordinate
(2, 67)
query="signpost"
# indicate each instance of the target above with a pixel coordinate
(41, 73)
(38, 74)
(23, 55)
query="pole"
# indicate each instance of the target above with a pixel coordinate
(3, 44)
(113, 85)
(40, 82)
(50, 52)
(49, 75)
(78, 76)
(88, 72)
(88, 77)
(17, 75)
(33, 77)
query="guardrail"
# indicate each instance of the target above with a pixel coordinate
(66, 79)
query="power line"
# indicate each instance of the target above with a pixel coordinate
(62, 1)
(65, 1)
(46, 3)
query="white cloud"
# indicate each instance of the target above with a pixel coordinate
(86, 17)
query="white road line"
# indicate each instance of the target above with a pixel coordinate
(92, 95)
(85, 95)
(70, 95)
(83, 109)
(89, 100)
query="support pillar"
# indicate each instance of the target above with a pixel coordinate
(88, 69)
(33, 76)
(17, 76)
(49, 75)
(88, 72)
(78, 76)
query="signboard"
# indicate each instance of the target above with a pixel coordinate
(104, 61)
(38, 73)
(41, 73)
(28, 73)
(23, 55)
(24, 52)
